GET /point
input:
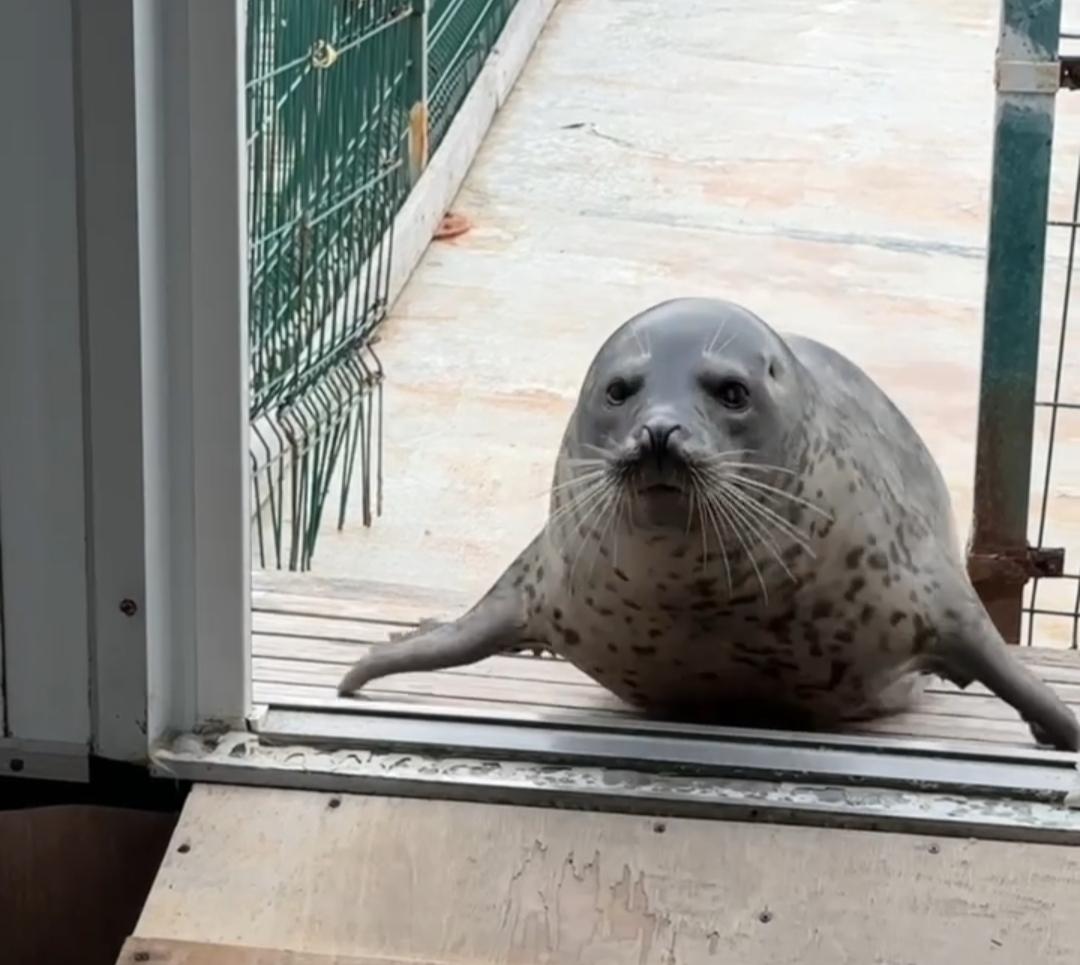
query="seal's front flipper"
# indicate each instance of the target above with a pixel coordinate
(495, 624)
(974, 650)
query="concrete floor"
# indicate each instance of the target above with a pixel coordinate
(824, 163)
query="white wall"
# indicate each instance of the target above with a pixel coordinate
(42, 512)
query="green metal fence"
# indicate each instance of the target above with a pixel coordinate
(345, 100)
(461, 34)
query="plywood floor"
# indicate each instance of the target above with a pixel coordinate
(375, 879)
(308, 630)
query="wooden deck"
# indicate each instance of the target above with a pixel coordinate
(307, 630)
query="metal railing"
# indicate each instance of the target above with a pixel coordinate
(345, 101)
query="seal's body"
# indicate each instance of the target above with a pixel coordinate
(741, 526)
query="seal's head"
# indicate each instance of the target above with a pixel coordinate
(681, 393)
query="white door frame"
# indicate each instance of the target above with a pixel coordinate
(165, 277)
(123, 357)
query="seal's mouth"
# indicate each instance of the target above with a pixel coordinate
(661, 489)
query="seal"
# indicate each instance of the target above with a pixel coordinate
(741, 522)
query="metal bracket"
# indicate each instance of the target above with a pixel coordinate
(1027, 76)
(1017, 566)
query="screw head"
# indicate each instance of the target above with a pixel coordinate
(129, 607)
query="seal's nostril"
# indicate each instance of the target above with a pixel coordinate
(658, 435)
(656, 438)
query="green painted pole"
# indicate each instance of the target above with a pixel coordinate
(1027, 81)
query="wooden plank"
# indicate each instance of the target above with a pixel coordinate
(448, 881)
(439, 683)
(577, 693)
(375, 609)
(342, 653)
(356, 598)
(159, 951)
(357, 640)
(938, 727)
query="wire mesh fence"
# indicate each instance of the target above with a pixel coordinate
(332, 89)
(1051, 607)
(461, 35)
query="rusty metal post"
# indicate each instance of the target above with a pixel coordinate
(419, 115)
(1027, 78)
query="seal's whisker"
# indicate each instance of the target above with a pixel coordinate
(731, 338)
(720, 456)
(582, 530)
(645, 351)
(582, 500)
(785, 526)
(777, 524)
(585, 461)
(606, 453)
(715, 336)
(587, 487)
(580, 480)
(691, 501)
(710, 510)
(776, 491)
(758, 527)
(704, 533)
(575, 515)
(759, 466)
(746, 512)
(723, 505)
(609, 521)
(626, 499)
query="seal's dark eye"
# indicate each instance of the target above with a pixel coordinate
(618, 391)
(733, 394)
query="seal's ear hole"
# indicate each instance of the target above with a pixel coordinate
(772, 369)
